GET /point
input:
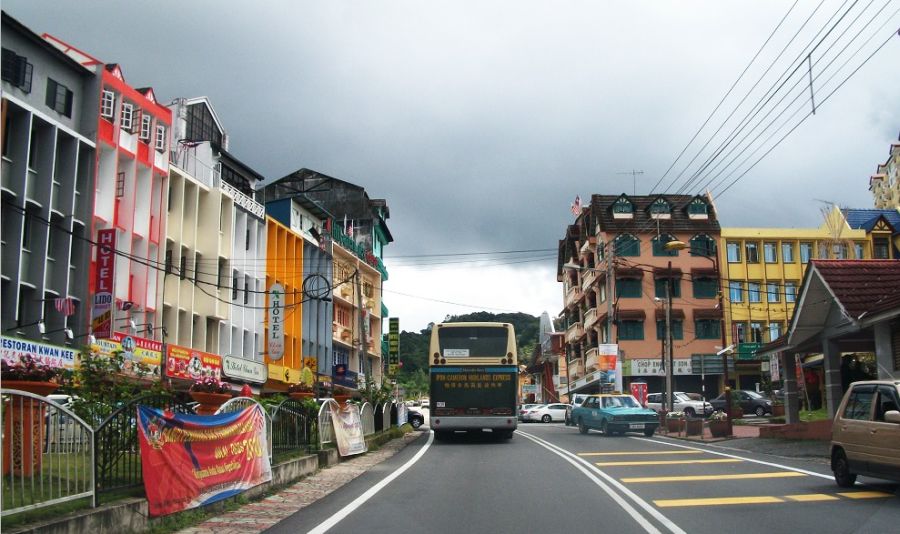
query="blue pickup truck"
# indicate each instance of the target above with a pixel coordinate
(614, 413)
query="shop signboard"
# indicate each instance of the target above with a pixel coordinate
(653, 367)
(13, 350)
(142, 356)
(241, 369)
(104, 278)
(189, 364)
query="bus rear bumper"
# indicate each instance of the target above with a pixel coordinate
(506, 422)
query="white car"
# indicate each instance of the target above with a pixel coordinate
(546, 413)
(683, 403)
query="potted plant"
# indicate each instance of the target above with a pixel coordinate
(674, 421)
(693, 426)
(303, 390)
(718, 424)
(24, 429)
(27, 375)
(210, 393)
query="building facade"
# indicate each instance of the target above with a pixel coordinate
(885, 183)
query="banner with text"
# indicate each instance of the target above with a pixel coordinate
(348, 430)
(13, 349)
(193, 460)
(104, 276)
(143, 356)
(189, 364)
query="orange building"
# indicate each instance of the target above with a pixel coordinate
(284, 267)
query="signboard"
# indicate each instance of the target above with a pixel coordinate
(529, 388)
(653, 367)
(104, 276)
(607, 354)
(473, 387)
(747, 351)
(276, 321)
(13, 349)
(393, 345)
(639, 392)
(136, 350)
(241, 369)
(348, 430)
(193, 460)
(775, 366)
(284, 374)
(190, 364)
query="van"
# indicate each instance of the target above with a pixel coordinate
(577, 399)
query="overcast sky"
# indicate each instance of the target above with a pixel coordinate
(479, 122)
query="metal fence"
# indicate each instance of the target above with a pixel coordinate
(293, 429)
(367, 417)
(48, 453)
(239, 403)
(326, 427)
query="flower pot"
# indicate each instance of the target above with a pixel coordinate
(673, 424)
(23, 428)
(718, 429)
(300, 395)
(209, 402)
(693, 427)
(778, 410)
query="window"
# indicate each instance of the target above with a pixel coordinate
(823, 251)
(887, 401)
(628, 287)
(790, 291)
(661, 287)
(880, 247)
(787, 252)
(806, 251)
(631, 330)
(234, 284)
(840, 251)
(623, 206)
(168, 261)
(247, 237)
(733, 249)
(120, 184)
(772, 292)
(182, 267)
(146, 126)
(126, 120)
(659, 246)
(756, 332)
(707, 329)
(108, 105)
(753, 292)
(201, 126)
(703, 245)
(59, 97)
(160, 138)
(677, 329)
(705, 288)
(859, 250)
(16, 70)
(627, 245)
(698, 207)
(660, 207)
(740, 332)
(752, 248)
(770, 252)
(198, 261)
(246, 289)
(859, 405)
(736, 291)
(774, 331)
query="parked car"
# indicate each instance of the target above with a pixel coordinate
(613, 414)
(415, 418)
(524, 408)
(577, 399)
(865, 434)
(546, 413)
(748, 400)
(683, 403)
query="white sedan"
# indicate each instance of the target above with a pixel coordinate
(546, 413)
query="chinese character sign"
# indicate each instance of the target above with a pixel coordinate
(276, 321)
(193, 460)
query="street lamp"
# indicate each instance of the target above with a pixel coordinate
(681, 245)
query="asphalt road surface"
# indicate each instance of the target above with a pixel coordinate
(549, 478)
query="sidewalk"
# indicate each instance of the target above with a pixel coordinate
(746, 438)
(258, 516)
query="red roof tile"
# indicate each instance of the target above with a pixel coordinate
(863, 287)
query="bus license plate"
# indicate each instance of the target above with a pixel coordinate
(636, 426)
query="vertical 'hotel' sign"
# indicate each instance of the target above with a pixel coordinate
(276, 321)
(101, 315)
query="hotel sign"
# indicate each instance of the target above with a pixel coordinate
(276, 321)
(104, 276)
(241, 369)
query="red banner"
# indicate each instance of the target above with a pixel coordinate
(101, 314)
(193, 460)
(190, 364)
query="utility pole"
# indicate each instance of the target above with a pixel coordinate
(634, 175)
(670, 367)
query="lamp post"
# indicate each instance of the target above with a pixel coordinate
(681, 245)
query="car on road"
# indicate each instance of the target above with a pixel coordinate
(683, 403)
(614, 413)
(546, 413)
(577, 399)
(523, 409)
(415, 418)
(748, 400)
(865, 434)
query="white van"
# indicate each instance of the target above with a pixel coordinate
(577, 399)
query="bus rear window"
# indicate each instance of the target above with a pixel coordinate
(472, 341)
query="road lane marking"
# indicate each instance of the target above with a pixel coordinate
(669, 462)
(866, 495)
(694, 478)
(726, 455)
(717, 501)
(636, 453)
(616, 494)
(323, 527)
(811, 497)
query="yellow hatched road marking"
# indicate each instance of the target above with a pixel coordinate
(716, 501)
(811, 497)
(636, 453)
(692, 478)
(866, 495)
(670, 462)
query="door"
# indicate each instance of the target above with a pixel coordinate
(853, 426)
(557, 412)
(885, 436)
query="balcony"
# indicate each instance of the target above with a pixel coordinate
(590, 317)
(242, 200)
(573, 295)
(587, 279)
(576, 370)
(574, 333)
(591, 360)
(588, 246)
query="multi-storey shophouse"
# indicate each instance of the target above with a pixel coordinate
(359, 232)
(49, 116)
(309, 221)
(615, 269)
(214, 297)
(885, 183)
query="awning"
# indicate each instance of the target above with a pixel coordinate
(629, 272)
(631, 315)
(703, 273)
(663, 272)
(676, 314)
(707, 313)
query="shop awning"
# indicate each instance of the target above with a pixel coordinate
(707, 313)
(677, 313)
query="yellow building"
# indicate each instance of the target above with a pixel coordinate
(284, 266)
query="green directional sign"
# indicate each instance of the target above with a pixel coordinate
(393, 345)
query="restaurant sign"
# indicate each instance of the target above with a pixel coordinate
(241, 369)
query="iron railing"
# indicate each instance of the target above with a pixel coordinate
(48, 453)
(367, 417)
(326, 426)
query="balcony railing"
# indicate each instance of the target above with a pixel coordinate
(589, 245)
(591, 361)
(576, 370)
(587, 279)
(573, 295)
(574, 333)
(242, 200)
(590, 317)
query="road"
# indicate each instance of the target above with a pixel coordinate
(549, 478)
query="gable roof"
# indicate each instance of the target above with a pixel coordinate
(680, 221)
(865, 219)
(861, 287)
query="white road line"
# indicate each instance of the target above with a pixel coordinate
(616, 494)
(770, 464)
(323, 527)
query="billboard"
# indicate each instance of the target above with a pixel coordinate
(190, 364)
(104, 277)
(136, 350)
(276, 322)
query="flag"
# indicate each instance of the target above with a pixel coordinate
(65, 306)
(576, 206)
(350, 229)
